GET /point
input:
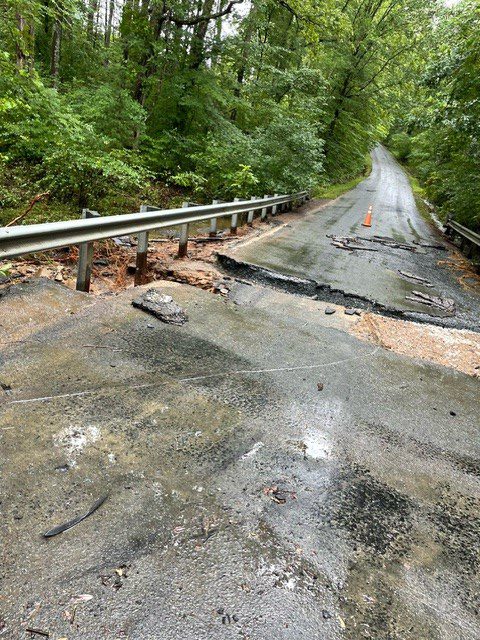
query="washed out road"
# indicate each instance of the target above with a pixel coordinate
(305, 250)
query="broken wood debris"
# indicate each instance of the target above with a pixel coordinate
(430, 246)
(412, 276)
(71, 523)
(446, 304)
(348, 243)
(351, 243)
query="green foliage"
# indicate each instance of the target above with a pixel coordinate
(401, 145)
(98, 98)
(444, 115)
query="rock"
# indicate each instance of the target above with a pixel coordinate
(131, 268)
(329, 311)
(161, 306)
(350, 312)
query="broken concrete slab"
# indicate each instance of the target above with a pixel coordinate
(161, 306)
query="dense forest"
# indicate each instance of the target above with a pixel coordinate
(107, 103)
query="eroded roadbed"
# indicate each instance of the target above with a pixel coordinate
(300, 286)
(268, 475)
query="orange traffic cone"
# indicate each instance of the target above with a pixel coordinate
(368, 218)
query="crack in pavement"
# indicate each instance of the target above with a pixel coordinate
(196, 378)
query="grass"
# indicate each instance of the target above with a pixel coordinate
(332, 191)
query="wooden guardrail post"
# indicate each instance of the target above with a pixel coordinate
(183, 241)
(251, 214)
(85, 257)
(213, 222)
(142, 249)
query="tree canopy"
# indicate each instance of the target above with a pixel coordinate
(233, 97)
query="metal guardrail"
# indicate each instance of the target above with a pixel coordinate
(465, 232)
(21, 240)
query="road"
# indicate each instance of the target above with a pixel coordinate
(304, 249)
(245, 500)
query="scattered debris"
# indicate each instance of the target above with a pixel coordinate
(71, 523)
(277, 495)
(446, 304)
(6, 387)
(349, 243)
(256, 447)
(326, 615)
(320, 386)
(430, 246)
(412, 276)
(37, 632)
(329, 311)
(83, 597)
(161, 306)
(123, 241)
(226, 617)
(117, 578)
(352, 243)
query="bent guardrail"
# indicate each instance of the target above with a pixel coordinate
(21, 240)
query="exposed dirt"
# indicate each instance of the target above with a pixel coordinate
(114, 266)
(455, 348)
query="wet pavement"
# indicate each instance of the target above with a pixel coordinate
(304, 249)
(244, 500)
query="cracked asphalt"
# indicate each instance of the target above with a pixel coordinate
(245, 500)
(304, 249)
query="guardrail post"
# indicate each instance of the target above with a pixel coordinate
(142, 249)
(274, 207)
(183, 241)
(85, 257)
(263, 215)
(251, 214)
(234, 221)
(213, 222)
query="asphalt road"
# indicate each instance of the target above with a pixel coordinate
(243, 500)
(304, 249)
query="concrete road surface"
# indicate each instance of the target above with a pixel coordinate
(305, 250)
(245, 500)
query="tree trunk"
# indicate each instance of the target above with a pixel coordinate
(21, 56)
(108, 30)
(56, 43)
(197, 52)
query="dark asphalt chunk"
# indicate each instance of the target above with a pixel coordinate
(161, 306)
